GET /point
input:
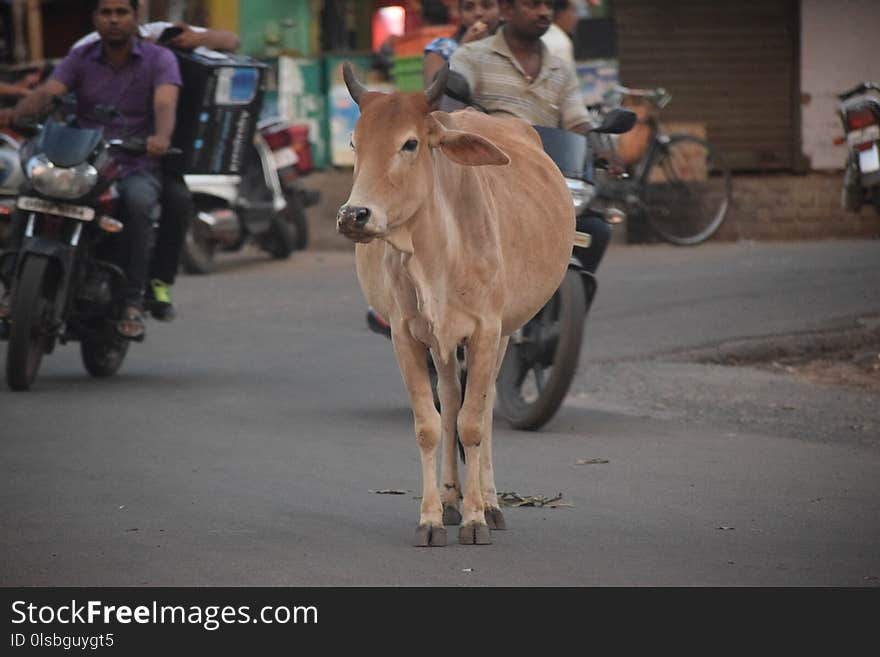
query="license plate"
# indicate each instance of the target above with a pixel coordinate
(869, 162)
(863, 136)
(285, 157)
(79, 212)
(583, 240)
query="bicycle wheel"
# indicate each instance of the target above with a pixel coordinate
(688, 191)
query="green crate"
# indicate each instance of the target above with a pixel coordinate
(407, 73)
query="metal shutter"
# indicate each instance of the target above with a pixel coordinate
(732, 65)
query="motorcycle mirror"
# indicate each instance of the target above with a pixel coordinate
(457, 88)
(617, 121)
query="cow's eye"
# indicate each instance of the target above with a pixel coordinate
(410, 145)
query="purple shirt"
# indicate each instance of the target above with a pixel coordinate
(130, 89)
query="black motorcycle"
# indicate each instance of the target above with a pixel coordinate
(66, 285)
(542, 356)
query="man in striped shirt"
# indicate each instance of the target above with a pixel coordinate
(513, 73)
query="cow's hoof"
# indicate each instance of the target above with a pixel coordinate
(430, 536)
(495, 519)
(474, 533)
(451, 516)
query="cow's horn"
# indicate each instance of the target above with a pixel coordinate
(355, 88)
(438, 86)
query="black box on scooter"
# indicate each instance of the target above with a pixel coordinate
(217, 112)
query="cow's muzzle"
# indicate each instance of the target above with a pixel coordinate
(352, 220)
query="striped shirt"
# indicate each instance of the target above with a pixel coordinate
(500, 85)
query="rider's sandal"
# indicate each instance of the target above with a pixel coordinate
(131, 326)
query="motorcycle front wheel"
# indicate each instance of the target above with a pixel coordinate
(31, 306)
(540, 364)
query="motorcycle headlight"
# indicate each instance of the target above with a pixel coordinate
(581, 193)
(61, 182)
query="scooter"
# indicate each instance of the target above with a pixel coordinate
(264, 205)
(859, 112)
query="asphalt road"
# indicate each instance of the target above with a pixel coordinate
(241, 445)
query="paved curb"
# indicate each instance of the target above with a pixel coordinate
(863, 333)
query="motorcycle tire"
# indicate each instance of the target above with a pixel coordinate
(281, 239)
(295, 215)
(103, 357)
(27, 342)
(528, 396)
(197, 256)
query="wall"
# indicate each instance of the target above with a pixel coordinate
(839, 49)
(256, 15)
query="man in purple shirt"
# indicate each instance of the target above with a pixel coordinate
(141, 81)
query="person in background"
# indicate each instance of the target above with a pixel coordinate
(189, 37)
(479, 19)
(558, 37)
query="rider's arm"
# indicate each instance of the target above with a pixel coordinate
(39, 99)
(214, 39)
(165, 93)
(7, 89)
(573, 114)
(432, 63)
(165, 111)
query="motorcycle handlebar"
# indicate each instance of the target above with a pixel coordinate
(138, 146)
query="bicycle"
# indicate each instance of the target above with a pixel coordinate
(678, 182)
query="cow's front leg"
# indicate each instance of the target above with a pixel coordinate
(449, 392)
(411, 357)
(475, 414)
(494, 517)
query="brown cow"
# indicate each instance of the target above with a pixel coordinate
(464, 229)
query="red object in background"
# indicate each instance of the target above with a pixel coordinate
(388, 22)
(300, 136)
(860, 119)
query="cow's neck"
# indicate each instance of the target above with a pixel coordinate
(421, 296)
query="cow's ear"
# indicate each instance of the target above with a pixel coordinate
(465, 148)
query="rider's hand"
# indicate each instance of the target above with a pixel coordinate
(157, 145)
(189, 39)
(475, 32)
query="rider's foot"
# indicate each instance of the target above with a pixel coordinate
(159, 301)
(131, 325)
(377, 324)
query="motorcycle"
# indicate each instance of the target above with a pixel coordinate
(264, 205)
(66, 285)
(859, 112)
(543, 354)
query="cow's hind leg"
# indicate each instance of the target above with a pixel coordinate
(411, 357)
(475, 414)
(494, 517)
(449, 391)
